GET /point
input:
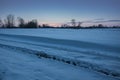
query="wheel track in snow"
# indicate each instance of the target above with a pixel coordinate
(87, 50)
(79, 63)
(69, 50)
(74, 43)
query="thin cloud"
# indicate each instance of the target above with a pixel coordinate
(113, 20)
(104, 21)
(100, 19)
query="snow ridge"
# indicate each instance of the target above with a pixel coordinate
(74, 62)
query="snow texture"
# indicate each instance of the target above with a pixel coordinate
(80, 53)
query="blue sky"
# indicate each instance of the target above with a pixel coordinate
(55, 12)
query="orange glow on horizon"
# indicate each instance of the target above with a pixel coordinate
(51, 24)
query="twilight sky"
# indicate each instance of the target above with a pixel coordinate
(55, 12)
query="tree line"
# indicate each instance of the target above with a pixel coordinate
(9, 22)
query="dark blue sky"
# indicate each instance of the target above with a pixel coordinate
(61, 11)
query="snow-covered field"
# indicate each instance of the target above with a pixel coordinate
(59, 54)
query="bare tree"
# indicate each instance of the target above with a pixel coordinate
(21, 22)
(64, 25)
(32, 24)
(100, 25)
(9, 21)
(73, 22)
(5, 23)
(79, 24)
(1, 23)
(45, 25)
(35, 23)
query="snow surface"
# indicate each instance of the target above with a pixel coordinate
(15, 65)
(96, 52)
(102, 36)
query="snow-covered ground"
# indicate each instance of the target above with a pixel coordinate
(63, 52)
(102, 36)
(21, 66)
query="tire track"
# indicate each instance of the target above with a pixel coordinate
(41, 54)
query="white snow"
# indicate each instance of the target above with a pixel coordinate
(21, 66)
(102, 36)
(97, 50)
